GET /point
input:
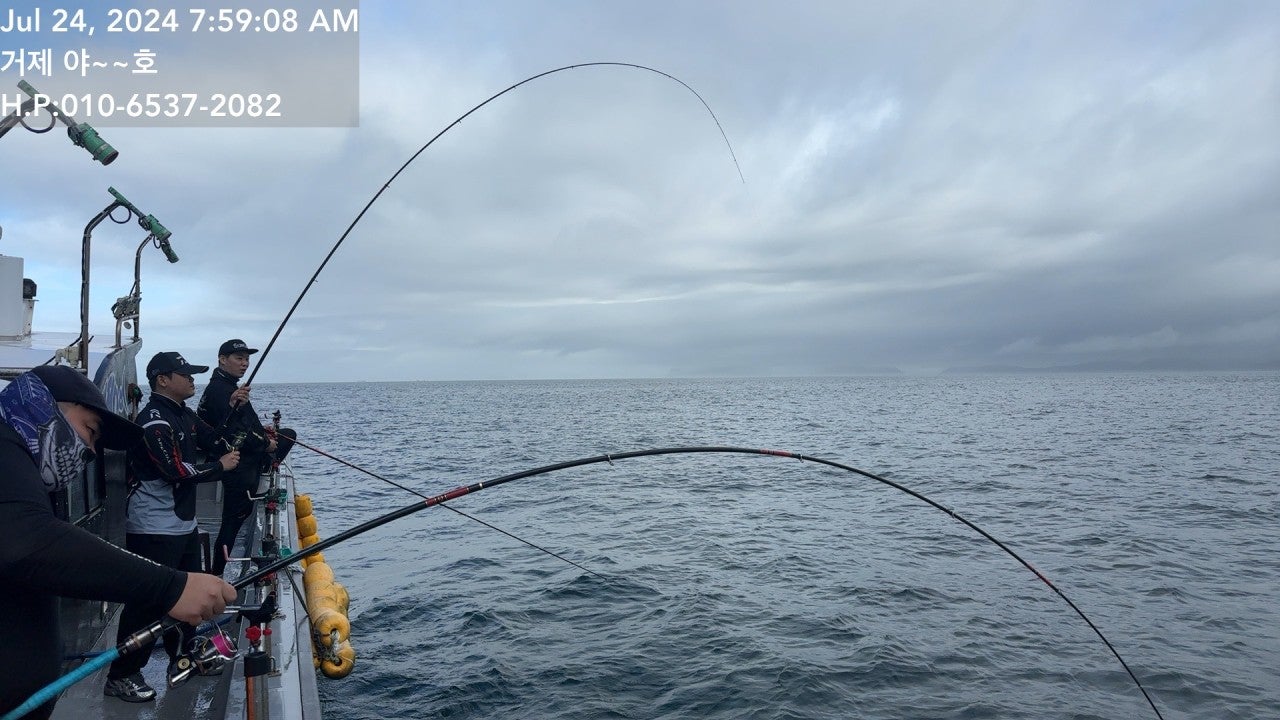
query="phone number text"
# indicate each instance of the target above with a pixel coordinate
(170, 105)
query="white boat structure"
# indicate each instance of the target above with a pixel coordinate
(272, 679)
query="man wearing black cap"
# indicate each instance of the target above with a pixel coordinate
(51, 421)
(160, 522)
(241, 428)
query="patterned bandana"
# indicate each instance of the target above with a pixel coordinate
(28, 408)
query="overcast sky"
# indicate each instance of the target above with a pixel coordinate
(927, 185)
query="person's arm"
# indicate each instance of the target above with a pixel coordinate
(255, 437)
(236, 427)
(165, 457)
(209, 439)
(42, 554)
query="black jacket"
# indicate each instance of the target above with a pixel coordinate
(41, 557)
(243, 424)
(165, 469)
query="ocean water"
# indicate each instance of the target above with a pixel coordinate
(738, 586)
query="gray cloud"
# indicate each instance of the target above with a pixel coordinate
(927, 186)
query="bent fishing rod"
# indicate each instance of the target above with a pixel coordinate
(265, 351)
(610, 458)
(136, 640)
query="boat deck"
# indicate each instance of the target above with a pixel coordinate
(21, 354)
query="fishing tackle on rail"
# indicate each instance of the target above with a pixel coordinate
(210, 647)
(204, 653)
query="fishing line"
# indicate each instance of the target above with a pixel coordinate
(133, 642)
(491, 526)
(610, 458)
(265, 351)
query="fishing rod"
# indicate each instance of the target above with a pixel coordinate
(487, 524)
(450, 126)
(134, 641)
(610, 458)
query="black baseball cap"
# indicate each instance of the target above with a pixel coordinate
(171, 362)
(66, 384)
(231, 347)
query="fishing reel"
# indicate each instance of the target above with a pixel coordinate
(205, 655)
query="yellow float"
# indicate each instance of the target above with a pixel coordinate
(327, 601)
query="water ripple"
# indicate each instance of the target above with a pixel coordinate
(740, 587)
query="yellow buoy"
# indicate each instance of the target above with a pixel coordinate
(307, 525)
(327, 601)
(316, 572)
(319, 589)
(344, 600)
(331, 627)
(341, 663)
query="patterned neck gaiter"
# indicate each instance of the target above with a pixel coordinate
(28, 408)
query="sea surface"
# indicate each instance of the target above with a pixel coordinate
(747, 586)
